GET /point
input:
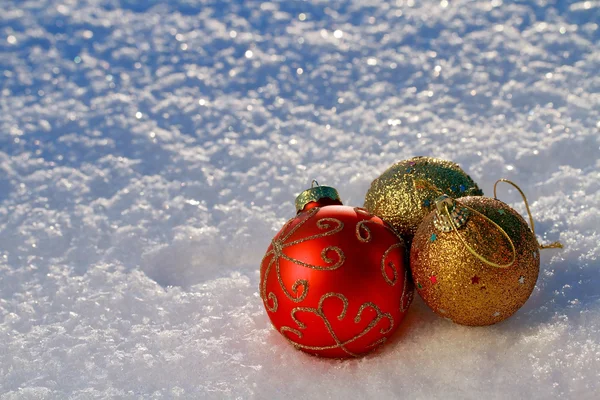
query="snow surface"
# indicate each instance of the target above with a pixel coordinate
(150, 150)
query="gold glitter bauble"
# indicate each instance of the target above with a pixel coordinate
(405, 193)
(459, 286)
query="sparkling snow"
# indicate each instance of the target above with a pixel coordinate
(149, 151)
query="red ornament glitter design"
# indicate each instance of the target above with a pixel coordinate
(334, 281)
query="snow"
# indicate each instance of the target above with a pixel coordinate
(150, 150)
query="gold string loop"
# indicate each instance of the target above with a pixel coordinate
(471, 250)
(424, 183)
(553, 245)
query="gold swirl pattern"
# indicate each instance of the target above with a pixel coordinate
(299, 283)
(390, 264)
(338, 343)
(363, 229)
(263, 289)
(273, 298)
(406, 298)
(332, 226)
(361, 226)
(364, 235)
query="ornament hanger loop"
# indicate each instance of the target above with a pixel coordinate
(314, 182)
(471, 250)
(554, 245)
(442, 208)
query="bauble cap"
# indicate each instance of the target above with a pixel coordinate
(322, 195)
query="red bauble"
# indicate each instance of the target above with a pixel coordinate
(334, 280)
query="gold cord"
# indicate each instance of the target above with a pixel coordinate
(554, 245)
(424, 183)
(471, 250)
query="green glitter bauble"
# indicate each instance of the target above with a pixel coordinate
(405, 193)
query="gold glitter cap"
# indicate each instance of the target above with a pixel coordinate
(316, 193)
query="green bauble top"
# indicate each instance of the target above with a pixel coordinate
(317, 196)
(406, 192)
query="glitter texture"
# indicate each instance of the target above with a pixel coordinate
(469, 291)
(405, 193)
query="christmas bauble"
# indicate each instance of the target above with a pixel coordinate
(333, 280)
(474, 260)
(405, 193)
